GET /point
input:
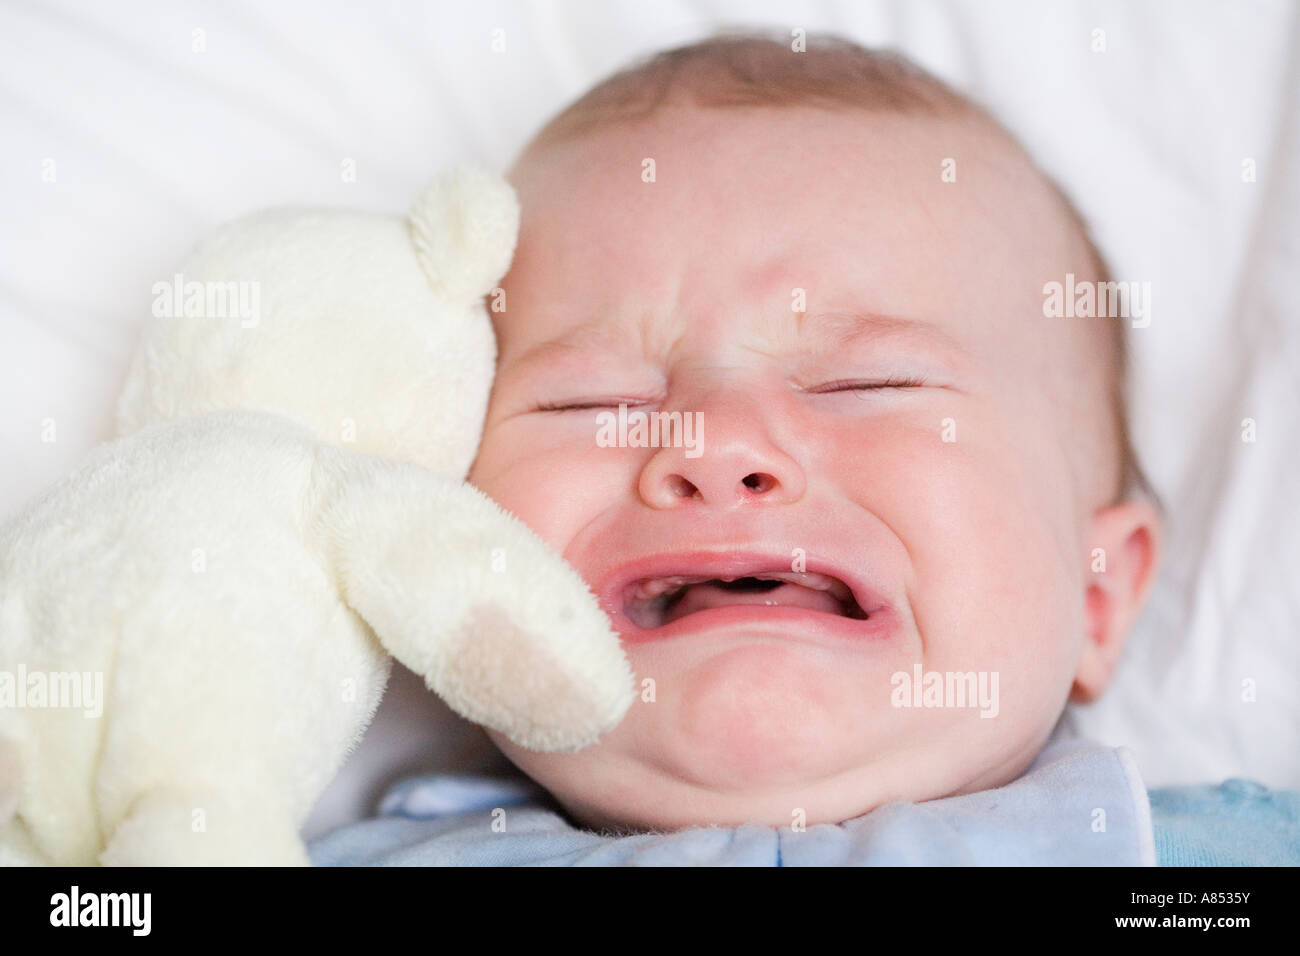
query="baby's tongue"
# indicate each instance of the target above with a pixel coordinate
(702, 597)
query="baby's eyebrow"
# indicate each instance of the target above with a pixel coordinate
(837, 330)
(587, 335)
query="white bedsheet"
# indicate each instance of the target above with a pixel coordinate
(130, 131)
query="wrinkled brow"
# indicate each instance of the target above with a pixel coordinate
(593, 335)
(822, 332)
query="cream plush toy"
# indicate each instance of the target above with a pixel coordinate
(287, 510)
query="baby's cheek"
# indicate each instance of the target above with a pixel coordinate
(552, 492)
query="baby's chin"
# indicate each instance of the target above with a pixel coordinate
(757, 733)
(758, 717)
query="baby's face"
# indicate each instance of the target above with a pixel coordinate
(886, 442)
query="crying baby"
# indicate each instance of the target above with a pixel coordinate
(912, 487)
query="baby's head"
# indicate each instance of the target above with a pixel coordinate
(833, 267)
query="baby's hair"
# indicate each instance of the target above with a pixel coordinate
(747, 68)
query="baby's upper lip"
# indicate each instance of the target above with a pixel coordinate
(727, 564)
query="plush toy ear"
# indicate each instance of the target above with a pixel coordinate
(464, 228)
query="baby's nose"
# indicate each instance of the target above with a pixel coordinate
(736, 462)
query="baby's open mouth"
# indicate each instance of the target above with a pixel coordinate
(654, 602)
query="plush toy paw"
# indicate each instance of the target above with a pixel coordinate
(466, 595)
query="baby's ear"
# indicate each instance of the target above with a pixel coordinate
(1124, 550)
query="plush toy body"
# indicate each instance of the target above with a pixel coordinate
(290, 512)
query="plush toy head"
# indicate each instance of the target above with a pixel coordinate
(369, 329)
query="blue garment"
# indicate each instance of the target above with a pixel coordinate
(1078, 804)
(1235, 823)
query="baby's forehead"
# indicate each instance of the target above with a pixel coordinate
(842, 174)
(676, 140)
(713, 209)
